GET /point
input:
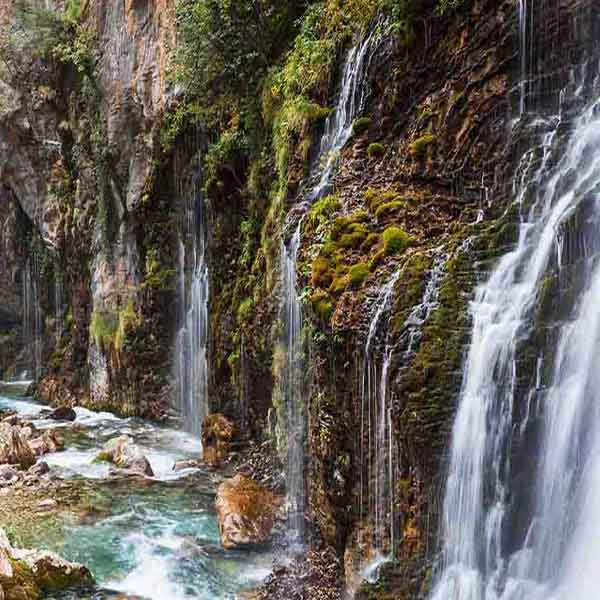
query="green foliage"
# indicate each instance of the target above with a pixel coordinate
(51, 35)
(376, 150)
(225, 48)
(395, 240)
(222, 156)
(158, 276)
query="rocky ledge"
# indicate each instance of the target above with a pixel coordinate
(29, 574)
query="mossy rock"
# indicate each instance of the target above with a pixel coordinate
(357, 274)
(361, 125)
(376, 150)
(395, 240)
(419, 147)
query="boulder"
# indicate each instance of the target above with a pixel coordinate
(14, 449)
(246, 512)
(7, 472)
(123, 453)
(28, 574)
(63, 413)
(46, 443)
(217, 433)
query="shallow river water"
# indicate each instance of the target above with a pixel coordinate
(153, 538)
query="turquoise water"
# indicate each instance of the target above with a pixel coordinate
(153, 538)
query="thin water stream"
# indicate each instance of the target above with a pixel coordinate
(153, 538)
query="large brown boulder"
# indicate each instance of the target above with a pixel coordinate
(217, 433)
(246, 512)
(123, 453)
(14, 448)
(29, 574)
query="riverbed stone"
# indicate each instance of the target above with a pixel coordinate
(123, 453)
(46, 443)
(27, 574)
(217, 433)
(246, 512)
(63, 413)
(14, 449)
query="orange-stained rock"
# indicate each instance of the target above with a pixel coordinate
(217, 433)
(246, 512)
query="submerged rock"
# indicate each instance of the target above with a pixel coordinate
(217, 434)
(27, 574)
(123, 453)
(63, 413)
(246, 512)
(182, 465)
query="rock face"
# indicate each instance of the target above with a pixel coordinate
(217, 434)
(123, 453)
(27, 574)
(246, 512)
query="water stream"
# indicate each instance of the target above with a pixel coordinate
(338, 130)
(378, 448)
(191, 360)
(153, 538)
(520, 518)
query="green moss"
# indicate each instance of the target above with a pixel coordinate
(322, 210)
(371, 241)
(244, 309)
(361, 125)
(357, 274)
(376, 150)
(377, 259)
(376, 197)
(395, 240)
(158, 276)
(355, 237)
(321, 272)
(419, 147)
(346, 223)
(322, 305)
(103, 328)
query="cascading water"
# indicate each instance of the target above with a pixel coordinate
(495, 545)
(32, 319)
(338, 129)
(294, 388)
(192, 340)
(378, 451)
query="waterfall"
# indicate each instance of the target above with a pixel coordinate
(338, 129)
(495, 545)
(351, 102)
(378, 450)
(294, 389)
(191, 361)
(413, 326)
(32, 319)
